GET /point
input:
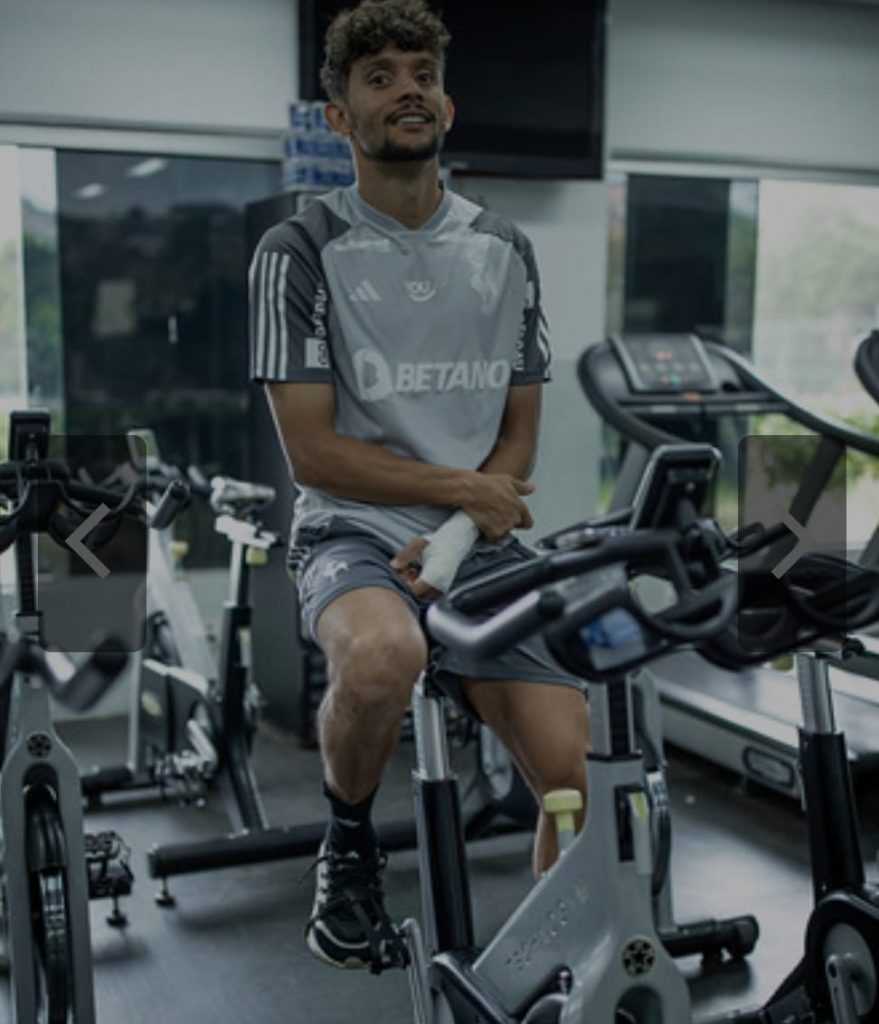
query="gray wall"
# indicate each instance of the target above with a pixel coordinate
(210, 63)
(787, 82)
(775, 81)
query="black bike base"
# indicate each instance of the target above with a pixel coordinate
(735, 936)
(240, 848)
(263, 845)
(118, 779)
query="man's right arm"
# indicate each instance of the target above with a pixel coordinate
(347, 467)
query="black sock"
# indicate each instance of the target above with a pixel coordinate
(350, 825)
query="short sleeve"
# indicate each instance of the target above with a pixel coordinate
(289, 309)
(533, 358)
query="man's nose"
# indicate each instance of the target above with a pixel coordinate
(410, 87)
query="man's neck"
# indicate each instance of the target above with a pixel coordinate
(410, 193)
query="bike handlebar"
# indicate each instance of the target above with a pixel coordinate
(821, 597)
(238, 497)
(583, 603)
(173, 501)
(226, 495)
(35, 490)
(78, 687)
(564, 593)
(81, 688)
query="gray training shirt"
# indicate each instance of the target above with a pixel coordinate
(421, 333)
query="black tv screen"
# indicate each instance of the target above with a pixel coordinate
(527, 81)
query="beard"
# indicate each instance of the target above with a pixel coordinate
(388, 151)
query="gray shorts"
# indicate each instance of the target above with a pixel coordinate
(345, 558)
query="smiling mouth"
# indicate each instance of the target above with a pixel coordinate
(412, 119)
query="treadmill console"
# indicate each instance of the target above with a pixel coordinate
(664, 363)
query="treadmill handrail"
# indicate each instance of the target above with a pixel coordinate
(867, 368)
(630, 426)
(849, 436)
(636, 429)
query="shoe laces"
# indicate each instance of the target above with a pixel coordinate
(355, 877)
(354, 882)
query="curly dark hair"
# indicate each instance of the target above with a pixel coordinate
(369, 27)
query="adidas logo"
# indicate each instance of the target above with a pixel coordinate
(365, 292)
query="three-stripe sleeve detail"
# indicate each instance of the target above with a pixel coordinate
(271, 338)
(543, 339)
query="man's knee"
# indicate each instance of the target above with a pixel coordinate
(561, 774)
(546, 729)
(377, 666)
(556, 758)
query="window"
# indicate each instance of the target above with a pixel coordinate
(153, 268)
(817, 290)
(681, 255)
(42, 289)
(785, 271)
(123, 302)
(13, 384)
(817, 296)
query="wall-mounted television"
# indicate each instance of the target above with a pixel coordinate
(527, 81)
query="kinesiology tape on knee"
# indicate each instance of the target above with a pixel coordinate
(448, 547)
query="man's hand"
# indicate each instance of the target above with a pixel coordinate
(495, 504)
(408, 564)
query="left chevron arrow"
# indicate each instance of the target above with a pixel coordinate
(74, 541)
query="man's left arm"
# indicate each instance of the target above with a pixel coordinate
(514, 453)
(515, 450)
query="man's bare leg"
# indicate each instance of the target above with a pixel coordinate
(546, 730)
(375, 651)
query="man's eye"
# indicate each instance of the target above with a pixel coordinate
(378, 79)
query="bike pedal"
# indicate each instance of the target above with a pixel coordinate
(109, 873)
(186, 776)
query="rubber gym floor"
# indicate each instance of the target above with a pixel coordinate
(232, 950)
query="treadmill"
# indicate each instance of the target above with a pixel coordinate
(656, 389)
(867, 364)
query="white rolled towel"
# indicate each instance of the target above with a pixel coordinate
(447, 548)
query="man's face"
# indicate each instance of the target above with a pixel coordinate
(396, 109)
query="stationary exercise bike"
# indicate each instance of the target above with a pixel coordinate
(49, 867)
(837, 979)
(191, 719)
(821, 601)
(193, 714)
(711, 938)
(569, 954)
(583, 945)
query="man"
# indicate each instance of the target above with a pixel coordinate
(399, 331)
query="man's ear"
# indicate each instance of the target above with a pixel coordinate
(337, 118)
(448, 113)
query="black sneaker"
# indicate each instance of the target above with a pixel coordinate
(349, 926)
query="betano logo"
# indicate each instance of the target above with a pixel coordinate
(376, 381)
